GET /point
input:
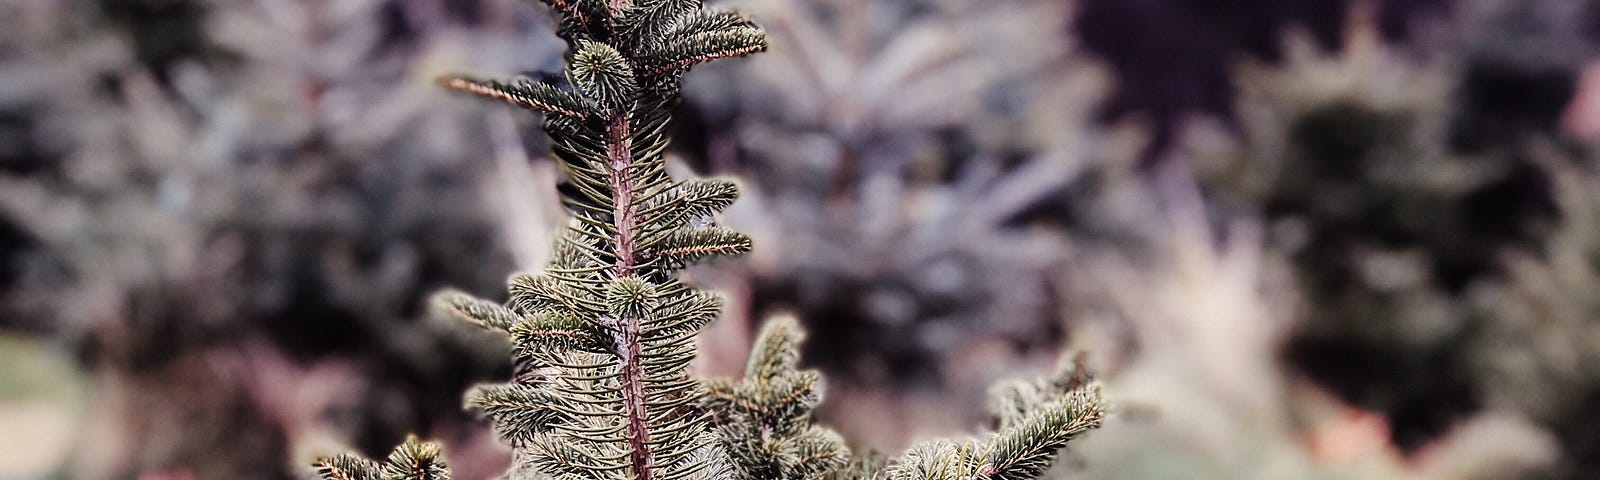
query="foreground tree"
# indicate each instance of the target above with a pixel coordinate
(603, 337)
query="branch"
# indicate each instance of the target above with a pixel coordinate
(540, 97)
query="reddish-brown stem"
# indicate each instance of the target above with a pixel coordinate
(638, 431)
(619, 152)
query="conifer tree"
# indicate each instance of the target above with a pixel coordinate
(603, 337)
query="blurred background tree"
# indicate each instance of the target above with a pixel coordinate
(213, 203)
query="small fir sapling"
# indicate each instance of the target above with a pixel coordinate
(603, 337)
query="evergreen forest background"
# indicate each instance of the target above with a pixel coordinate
(1299, 239)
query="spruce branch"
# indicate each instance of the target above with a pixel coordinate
(765, 419)
(1036, 421)
(488, 315)
(689, 200)
(649, 19)
(416, 460)
(519, 412)
(536, 96)
(704, 46)
(707, 20)
(412, 460)
(348, 467)
(683, 247)
(1027, 449)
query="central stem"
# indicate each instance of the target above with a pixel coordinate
(619, 153)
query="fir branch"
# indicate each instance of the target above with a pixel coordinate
(647, 20)
(1026, 450)
(519, 412)
(1037, 419)
(707, 20)
(765, 419)
(485, 314)
(536, 96)
(692, 199)
(686, 246)
(701, 47)
(347, 467)
(412, 460)
(416, 460)
(776, 351)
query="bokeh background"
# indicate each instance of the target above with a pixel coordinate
(1300, 239)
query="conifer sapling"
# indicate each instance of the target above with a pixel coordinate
(602, 338)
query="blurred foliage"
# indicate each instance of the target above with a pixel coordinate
(1174, 58)
(910, 158)
(247, 199)
(41, 402)
(1419, 202)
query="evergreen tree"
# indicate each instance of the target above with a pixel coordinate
(603, 337)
